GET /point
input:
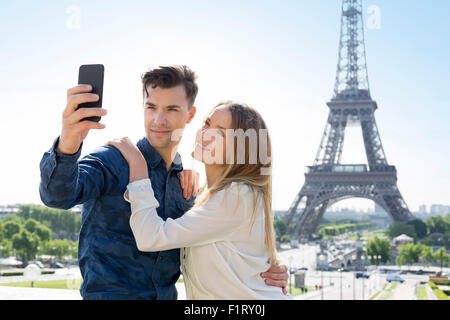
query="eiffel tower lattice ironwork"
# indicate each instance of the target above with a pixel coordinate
(328, 181)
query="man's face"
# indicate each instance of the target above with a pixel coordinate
(166, 113)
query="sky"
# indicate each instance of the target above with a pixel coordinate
(277, 56)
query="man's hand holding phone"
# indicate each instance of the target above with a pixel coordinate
(74, 131)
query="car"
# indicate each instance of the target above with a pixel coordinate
(394, 278)
(38, 263)
(57, 265)
(362, 275)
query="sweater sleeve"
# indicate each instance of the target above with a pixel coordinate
(213, 221)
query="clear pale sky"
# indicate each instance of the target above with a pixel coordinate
(278, 56)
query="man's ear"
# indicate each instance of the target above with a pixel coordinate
(191, 114)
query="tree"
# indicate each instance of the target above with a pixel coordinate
(285, 238)
(63, 223)
(57, 248)
(30, 225)
(43, 232)
(280, 228)
(73, 249)
(10, 228)
(400, 260)
(442, 257)
(6, 249)
(438, 224)
(378, 247)
(427, 256)
(410, 252)
(26, 244)
(419, 227)
(399, 228)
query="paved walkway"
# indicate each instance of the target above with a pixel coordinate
(17, 293)
(404, 291)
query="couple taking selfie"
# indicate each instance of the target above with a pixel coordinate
(143, 222)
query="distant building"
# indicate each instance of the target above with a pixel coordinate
(4, 210)
(423, 209)
(439, 209)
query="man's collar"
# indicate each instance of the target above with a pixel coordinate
(154, 158)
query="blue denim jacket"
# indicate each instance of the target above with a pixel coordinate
(110, 263)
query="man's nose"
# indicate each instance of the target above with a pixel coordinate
(160, 118)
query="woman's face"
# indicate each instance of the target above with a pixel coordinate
(210, 142)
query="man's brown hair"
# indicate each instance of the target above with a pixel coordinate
(167, 77)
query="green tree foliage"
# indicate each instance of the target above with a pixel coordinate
(285, 238)
(26, 244)
(338, 229)
(399, 228)
(44, 233)
(29, 232)
(73, 249)
(10, 228)
(378, 247)
(30, 225)
(65, 224)
(438, 224)
(280, 229)
(6, 248)
(57, 248)
(441, 257)
(410, 252)
(419, 227)
(427, 255)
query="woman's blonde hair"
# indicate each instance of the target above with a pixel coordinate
(245, 117)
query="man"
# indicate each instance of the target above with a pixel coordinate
(111, 265)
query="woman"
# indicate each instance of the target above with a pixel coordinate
(228, 236)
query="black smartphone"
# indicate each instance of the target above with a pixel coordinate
(92, 74)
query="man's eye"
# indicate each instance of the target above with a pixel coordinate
(173, 109)
(150, 107)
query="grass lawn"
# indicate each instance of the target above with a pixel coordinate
(369, 235)
(422, 293)
(52, 284)
(298, 291)
(388, 293)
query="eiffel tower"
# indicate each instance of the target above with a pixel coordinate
(328, 181)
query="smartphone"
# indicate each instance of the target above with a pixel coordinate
(92, 74)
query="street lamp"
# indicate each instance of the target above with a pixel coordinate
(321, 259)
(362, 262)
(341, 258)
(378, 274)
(354, 277)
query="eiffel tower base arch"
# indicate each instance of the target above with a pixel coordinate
(321, 190)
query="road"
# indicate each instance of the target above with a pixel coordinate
(357, 289)
(351, 288)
